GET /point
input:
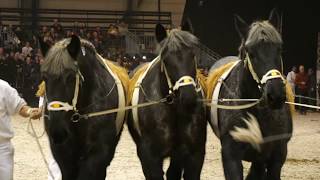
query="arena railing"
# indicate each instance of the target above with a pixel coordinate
(142, 21)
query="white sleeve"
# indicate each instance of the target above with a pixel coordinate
(13, 101)
(41, 99)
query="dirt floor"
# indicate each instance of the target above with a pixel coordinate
(303, 160)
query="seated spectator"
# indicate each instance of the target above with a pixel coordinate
(43, 31)
(11, 69)
(57, 26)
(123, 28)
(2, 64)
(82, 33)
(95, 35)
(98, 30)
(113, 31)
(27, 49)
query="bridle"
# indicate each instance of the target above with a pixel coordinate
(65, 106)
(271, 74)
(181, 82)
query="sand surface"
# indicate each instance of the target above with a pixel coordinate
(303, 161)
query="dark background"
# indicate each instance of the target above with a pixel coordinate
(213, 23)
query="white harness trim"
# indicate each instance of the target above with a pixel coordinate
(59, 106)
(215, 100)
(272, 74)
(121, 96)
(184, 81)
(136, 92)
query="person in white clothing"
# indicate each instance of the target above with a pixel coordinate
(291, 77)
(11, 103)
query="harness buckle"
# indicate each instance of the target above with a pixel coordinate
(75, 117)
(170, 98)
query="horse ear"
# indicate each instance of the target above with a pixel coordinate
(241, 26)
(187, 26)
(44, 47)
(74, 46)
(274, 18)
(161, 33)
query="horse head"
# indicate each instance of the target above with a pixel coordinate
(178, 62)
(63, 78)
(261, 49)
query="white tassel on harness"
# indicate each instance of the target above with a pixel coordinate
(252, 134)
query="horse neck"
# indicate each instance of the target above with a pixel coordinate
(96, 81)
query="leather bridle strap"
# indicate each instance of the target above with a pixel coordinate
(183, 81)
(65, 106)
(271, 74)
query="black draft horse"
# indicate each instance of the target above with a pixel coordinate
(174, 129)
(251, 78)
(78, 83)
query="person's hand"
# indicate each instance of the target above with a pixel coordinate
(303, 83)
(35, 113)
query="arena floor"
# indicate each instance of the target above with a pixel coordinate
(303, 161)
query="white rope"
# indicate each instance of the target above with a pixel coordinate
(36, 137)
(237, 100)
(234, 107)
(109, 111)
(306, 97)
(256, 101)
(303, 105)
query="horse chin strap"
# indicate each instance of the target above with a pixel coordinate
(65, 106)
(183, 81)
(271, 74)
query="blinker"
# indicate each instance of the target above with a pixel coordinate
(55, 105)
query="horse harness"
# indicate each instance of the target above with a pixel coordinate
(173, 87)
(76, 117)
(271, 74)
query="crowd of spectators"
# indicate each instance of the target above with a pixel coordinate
(20, 60)
(304, 86)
